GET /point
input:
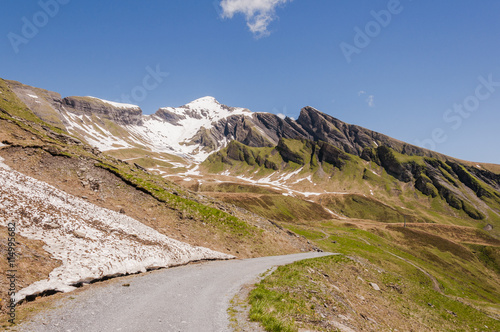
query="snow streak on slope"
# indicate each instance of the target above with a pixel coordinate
(90, 241)
(93, 134)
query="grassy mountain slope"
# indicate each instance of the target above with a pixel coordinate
(430, 279)
(440, 272)
(421, 188)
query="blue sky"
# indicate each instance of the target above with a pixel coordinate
(421, 71)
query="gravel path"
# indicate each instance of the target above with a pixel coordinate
(188, 298)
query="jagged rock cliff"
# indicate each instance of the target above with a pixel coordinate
(122, 114)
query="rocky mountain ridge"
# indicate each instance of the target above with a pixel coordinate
(317, 142)
(207, 125)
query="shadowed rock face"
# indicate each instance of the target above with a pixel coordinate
(351, 138)
(90, 106)
(169, 116)
(258, 130)
(277, 128)
(266, 129)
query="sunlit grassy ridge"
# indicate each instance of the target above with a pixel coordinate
(190, 209)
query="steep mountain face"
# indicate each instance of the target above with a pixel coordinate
(467, 189)
(122, 114)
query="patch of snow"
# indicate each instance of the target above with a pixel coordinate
(177, 165)
(207, 108)
(115, 104)
(32, 96)
(2, 165)
(164, 136)
(91, 242)
(279, 185)
(371, 192)
(193, 171)
(157, 170)
(307, 194)
(94, 134)
(291, 174)
(478, 166)
(333, 213)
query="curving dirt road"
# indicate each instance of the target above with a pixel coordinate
(187, 298)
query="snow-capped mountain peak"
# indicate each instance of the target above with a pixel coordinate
(206, 102)
(191, 131)
(206, 108)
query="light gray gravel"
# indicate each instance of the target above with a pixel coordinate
(188, 298)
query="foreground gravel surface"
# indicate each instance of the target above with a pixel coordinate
(188, 298)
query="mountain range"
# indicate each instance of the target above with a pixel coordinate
(235, 140)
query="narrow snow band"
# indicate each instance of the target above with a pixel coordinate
(115, 104)
(91, 242)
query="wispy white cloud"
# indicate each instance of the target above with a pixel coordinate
(258, 13)
(371, 100)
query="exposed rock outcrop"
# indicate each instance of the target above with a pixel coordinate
(93, 106)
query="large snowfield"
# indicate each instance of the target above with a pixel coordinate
(91, 242)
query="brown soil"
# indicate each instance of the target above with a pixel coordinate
(33, 263)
